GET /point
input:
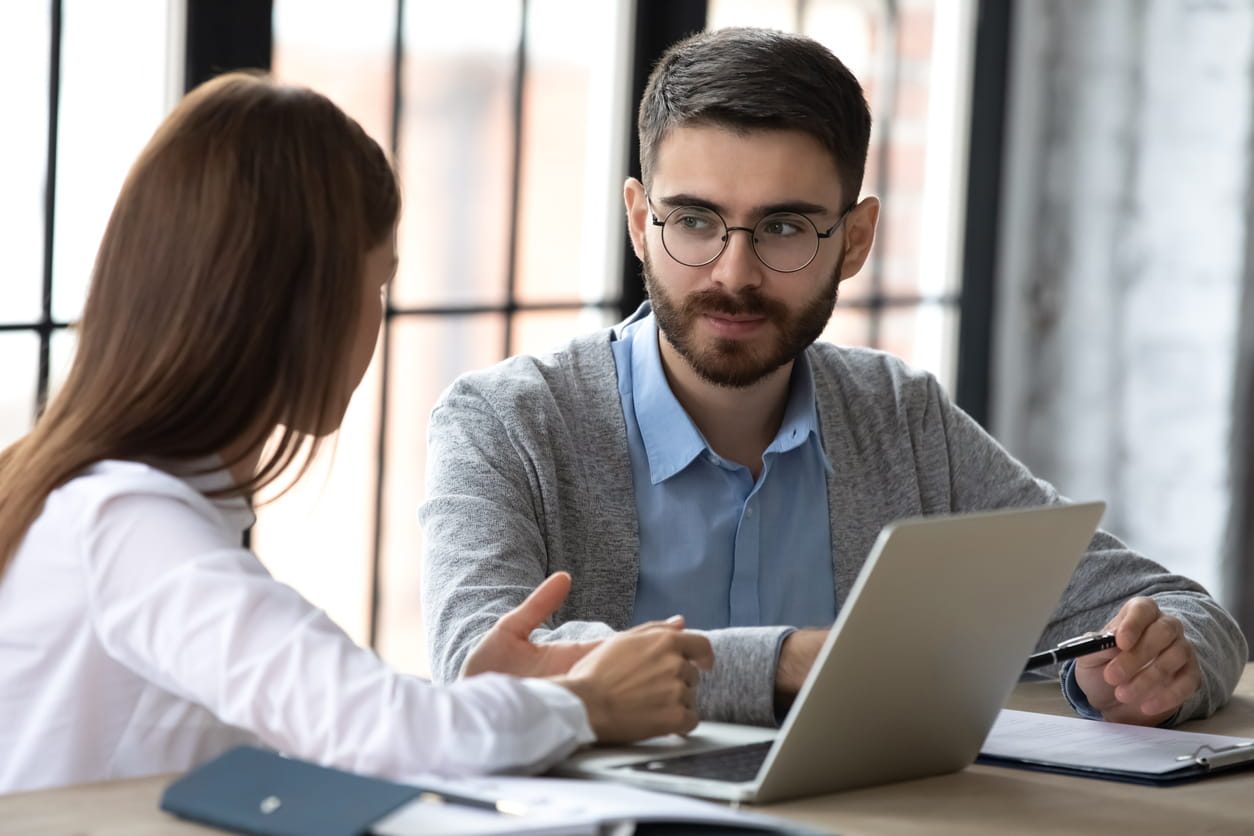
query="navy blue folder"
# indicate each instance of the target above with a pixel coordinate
(251, 790)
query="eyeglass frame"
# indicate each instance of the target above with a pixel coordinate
(728, 230)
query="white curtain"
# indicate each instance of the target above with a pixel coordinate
(1123, 258)
(1239, 563)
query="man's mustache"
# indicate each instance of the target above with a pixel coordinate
(746, 303)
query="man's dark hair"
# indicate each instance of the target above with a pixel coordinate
(758, 79)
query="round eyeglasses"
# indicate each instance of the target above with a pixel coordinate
(784, 241)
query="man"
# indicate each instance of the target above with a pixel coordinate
(707, 457)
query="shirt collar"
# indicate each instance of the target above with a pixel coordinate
(801, 415)
(206, 475)
(672, 440)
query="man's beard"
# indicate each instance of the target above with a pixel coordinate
(739, 363)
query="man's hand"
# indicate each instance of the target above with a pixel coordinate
(642, 683)
(796, 657)
(507, 647)
(1149, 673)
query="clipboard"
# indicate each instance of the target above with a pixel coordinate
(1111, 751)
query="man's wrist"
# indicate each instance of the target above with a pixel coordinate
(785, 690)
(1074, 694)
(788, 675)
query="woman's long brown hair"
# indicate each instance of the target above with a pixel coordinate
(223, 298)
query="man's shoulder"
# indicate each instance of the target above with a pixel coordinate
(528, 382)
(867, 372)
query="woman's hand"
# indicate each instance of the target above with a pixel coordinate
(642, 683)
(636, 684)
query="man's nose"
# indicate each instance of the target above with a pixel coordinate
(738, 265)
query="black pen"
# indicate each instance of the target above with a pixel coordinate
(1071, 649)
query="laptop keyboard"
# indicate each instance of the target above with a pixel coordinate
(735, 764)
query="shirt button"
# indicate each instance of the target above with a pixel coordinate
(748, 512)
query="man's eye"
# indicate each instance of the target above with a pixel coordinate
(694, 223)
(780, 227)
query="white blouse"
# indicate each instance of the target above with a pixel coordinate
(138, 637)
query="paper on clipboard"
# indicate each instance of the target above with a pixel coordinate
(1077, 743)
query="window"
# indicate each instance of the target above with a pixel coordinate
(65, 63)
(24, 54)
(509, 122)
(503, 121)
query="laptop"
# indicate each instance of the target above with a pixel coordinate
(930, 642)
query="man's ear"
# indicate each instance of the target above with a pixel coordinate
(859, 235)
(637, 206)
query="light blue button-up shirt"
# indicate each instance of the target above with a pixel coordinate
(716, 546)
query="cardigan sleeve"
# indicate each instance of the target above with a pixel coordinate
(983, 475)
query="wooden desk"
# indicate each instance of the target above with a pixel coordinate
(979, 799)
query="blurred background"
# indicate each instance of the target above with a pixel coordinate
(1066, 237)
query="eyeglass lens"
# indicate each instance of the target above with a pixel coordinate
(784, 241)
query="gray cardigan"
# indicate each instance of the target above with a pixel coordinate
(528, 474)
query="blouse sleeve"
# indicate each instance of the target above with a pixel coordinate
(173, 600)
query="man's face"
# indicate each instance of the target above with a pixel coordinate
(735, 320)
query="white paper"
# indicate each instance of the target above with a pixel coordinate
(554, 805)
(1093, 744)
(456, 820)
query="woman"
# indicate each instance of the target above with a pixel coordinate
(234, 306)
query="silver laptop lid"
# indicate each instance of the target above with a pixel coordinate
(926, 648)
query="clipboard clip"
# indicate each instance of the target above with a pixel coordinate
(1223, 756)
